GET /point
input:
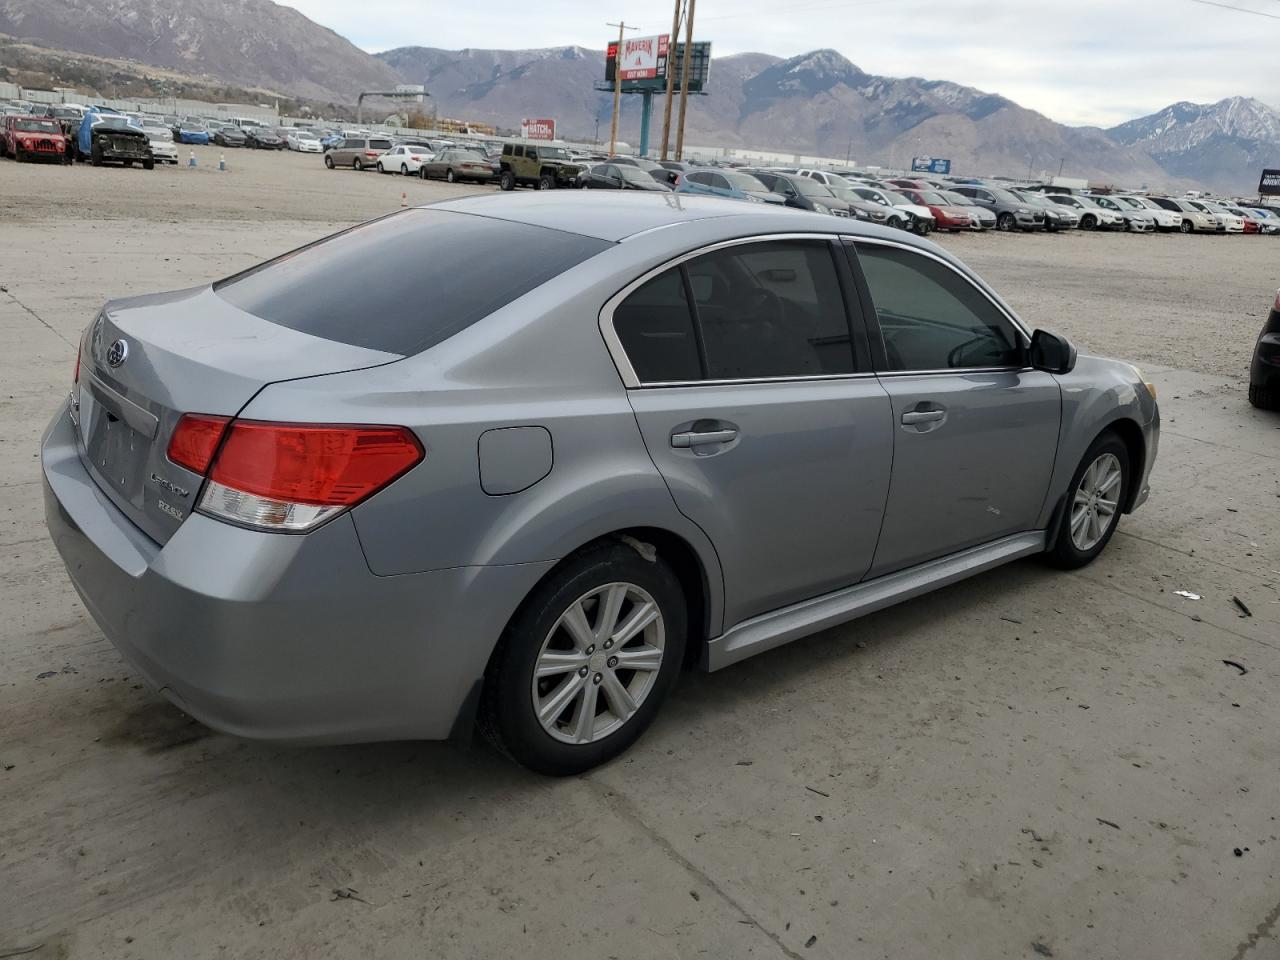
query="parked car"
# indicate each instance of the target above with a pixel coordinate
(1135, 220)
(1264, 373)
(1194, 219)
(191, 131)
(652, 167)
(903, 214)
(30, 139)
(163, 149)
(235, 534)
(1012, 212)
(613, 176)
(111, 138)
(982, 217)
(946, 216)
(1092, 215)
(456, 165)
(1231, 223)
(539, 166)
(1056, 216)
(358, 153)
(730, 184)
(263, 138)
(1268, 220)
(1166, 220)
(405, 159)
(229, 135)
(303, 141)
(859, 207)
(678, 167)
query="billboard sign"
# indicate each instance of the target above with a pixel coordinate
(643, 58)
(1269, 185)
(669, 56)
(930, 165)
(538, 129)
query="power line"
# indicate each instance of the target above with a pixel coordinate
(1227, 6)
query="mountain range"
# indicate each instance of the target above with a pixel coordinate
(817, 103)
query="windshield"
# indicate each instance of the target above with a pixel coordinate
(37, 126)
(807, 187)
(1129, 202)
(192, 126)
(744, 182)
(932, 198)
(553, 153)
(1007, 196)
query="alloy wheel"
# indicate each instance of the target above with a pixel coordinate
(598, 663)
(1096, 500)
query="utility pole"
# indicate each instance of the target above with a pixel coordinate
(671, 78)
(686, 68)
(617, 86)
(1061, 163)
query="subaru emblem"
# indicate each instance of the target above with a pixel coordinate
(117, 353)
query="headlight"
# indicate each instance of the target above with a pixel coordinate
(1022, 210)
(819, 208)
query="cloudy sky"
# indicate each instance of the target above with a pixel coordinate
(1078, 61)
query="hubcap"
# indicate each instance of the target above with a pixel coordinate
(1093, 508)
(598, 663)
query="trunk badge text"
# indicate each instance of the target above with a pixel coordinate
(171, 511)
(117, 353)
(160, 481)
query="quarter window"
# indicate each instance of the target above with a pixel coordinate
(762, 310)
(932, 318)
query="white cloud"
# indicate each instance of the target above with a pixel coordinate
(1084, 62)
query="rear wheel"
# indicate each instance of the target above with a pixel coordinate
(448, 175)
(583, 667)
(507, 181)
(404, 169)
(1264, 398)
(1094, 502)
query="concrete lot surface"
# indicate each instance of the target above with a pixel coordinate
(1028, 764)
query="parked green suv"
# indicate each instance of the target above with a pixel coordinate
(539, 166)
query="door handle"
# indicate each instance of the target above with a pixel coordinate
(697, 438)
(923, 416)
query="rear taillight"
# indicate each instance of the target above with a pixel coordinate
(292, 477)
(371, 153)
(195, 440)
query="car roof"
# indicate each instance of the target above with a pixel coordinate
(614, 216)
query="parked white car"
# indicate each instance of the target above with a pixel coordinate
(889, 198)
(1165, 219)
(1229, 220)
(304, 141)
(163, 149)
(1136, 219)
(406, 159)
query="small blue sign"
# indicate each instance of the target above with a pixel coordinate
(930, 165)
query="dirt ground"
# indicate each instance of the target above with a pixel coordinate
(1027, 764)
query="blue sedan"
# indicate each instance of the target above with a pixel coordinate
(191, 133)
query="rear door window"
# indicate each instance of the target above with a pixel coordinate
(406, 282)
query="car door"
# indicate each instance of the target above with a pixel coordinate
(749, 375)
(975, 429)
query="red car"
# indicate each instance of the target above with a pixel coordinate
(909, 184)
(946, 216)
(33, 138)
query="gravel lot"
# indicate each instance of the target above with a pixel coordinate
(1028, 764)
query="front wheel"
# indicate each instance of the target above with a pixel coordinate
(380, 167)
(357, 165)
(1006, 222)
(422, 172)
(449, 176)
(1187, 226)
(148, 164)
(583, 667)
(1089, 222)
(546, 182)
(1264, 398)
(894, 222)
(923, 228)
(1094, 501)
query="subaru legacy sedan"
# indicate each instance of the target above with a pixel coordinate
(373, 489)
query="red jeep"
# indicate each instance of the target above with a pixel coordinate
(33, 138)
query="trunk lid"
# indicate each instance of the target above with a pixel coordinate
(148, 360)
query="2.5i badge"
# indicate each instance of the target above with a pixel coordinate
(171, 511)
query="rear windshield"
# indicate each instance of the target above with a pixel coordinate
(408, 281)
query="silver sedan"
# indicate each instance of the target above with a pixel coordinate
(375, 489)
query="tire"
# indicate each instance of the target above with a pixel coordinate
(1188, 227)
(95, 154)
(1264, 398)
(546, 182)
(1006, 222)
(328, 161)
(19, 156)
(1088, 222)
(128, 163)
(357, 165)
(422, 172)
(380, 168)
(895, 222)
(404, 169)
(1105, 453)
(508, 710)
(507, 181)
(148, 164)
(923, 228)
(448, 175)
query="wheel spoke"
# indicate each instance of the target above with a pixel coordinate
(610, 607)
(643, 615)
(584, 717)
(553, 706)
(1106, 507)
(578, 627)
(553, 662)
(1082, 495)
(640, 658)
(1078, 520)
(617, 696)
(1095, 529)
(1109, 482)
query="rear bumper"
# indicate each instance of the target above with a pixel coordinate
(268, 636)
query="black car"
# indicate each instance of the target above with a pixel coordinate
(229, 136)
(651, 167)
(263, 139)
(617, 176)
(803, 193)
(1264, 374)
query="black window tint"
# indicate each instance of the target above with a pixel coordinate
(519, 151)
(379, 144)
(719, 182)
(697, 178)
(506, 149)
(771, 309)
(932, 318)
(406, 282)
(656, 329)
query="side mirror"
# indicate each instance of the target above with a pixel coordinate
(1052, 353)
